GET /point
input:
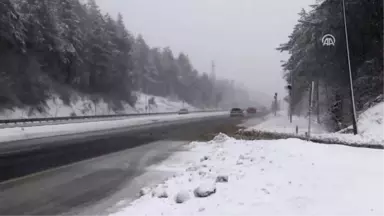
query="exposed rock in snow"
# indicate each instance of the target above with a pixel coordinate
(143, 191)
(202, 173)
(204, 158)
(160, 192)
(182, 196)
(222, 178)
(205, 189)
(192, 168)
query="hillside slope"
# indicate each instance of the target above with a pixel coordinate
(80, 106)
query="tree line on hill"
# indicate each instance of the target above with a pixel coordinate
(57, 47)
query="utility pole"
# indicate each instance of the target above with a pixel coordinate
(146, 100)
(290, 103)
(275, 103)
(353, 108)
(290, 88)
(213, 77)
(318, 100)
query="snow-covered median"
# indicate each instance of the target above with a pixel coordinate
(280, 177)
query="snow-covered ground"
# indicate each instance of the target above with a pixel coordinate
(281, 124)
(21, 133)
(277, 177)
(81, 106)
(370, 126)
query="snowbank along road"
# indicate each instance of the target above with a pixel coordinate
(226, 176)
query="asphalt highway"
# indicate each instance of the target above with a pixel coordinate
(86, 174)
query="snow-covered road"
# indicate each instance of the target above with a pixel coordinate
(278, 177)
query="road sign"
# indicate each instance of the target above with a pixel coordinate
(328, 40)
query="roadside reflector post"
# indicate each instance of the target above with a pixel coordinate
(310, 109)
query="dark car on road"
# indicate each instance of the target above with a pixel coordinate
(183, 111)
(236, 112)
(251, 110)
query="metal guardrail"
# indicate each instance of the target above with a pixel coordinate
(68, 118)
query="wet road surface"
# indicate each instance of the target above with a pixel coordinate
(101, 171)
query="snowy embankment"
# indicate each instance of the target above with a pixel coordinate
(370, 126)
(280, 177)
(80, 106)
(161, 104)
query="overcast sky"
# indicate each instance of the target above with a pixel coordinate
(239, 35)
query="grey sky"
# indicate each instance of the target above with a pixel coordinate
(239, 35)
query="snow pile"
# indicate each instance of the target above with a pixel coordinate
(371, 122)
(205, 189)
(182, 196)
(280, 177)
(281, 124)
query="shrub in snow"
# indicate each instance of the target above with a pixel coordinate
(201, 209)
(182, 197)
(193, 168)
(265, 191)
(222, 178)
(144, 191)
(204, 158)
(205, 189)
(202, 173)
(160, 193)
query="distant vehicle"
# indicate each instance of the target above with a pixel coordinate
(236, 112)
(251, 110)
(183, 111)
